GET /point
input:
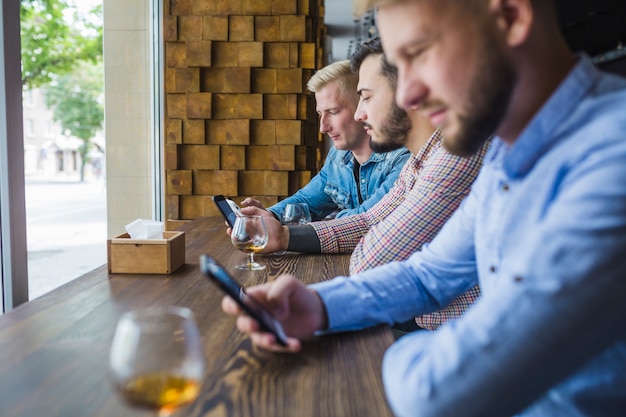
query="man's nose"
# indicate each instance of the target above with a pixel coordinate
(411, 91)
(360, 115)
(324, 125)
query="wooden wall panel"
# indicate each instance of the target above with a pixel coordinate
(215, 28)
(238, 118)
(240, 28)
(228, 132)
(174, 131)
(179, 182)
(277, 54)
(193, 132)
(198, 53)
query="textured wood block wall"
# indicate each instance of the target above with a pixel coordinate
(238, 118)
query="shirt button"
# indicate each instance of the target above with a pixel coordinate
(492, 269)
(517, 278)
(505, 187)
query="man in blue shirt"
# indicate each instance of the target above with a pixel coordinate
(353, 177)
(543, 230)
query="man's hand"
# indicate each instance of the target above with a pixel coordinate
(252, 202)
(278, 235)
(298, 309)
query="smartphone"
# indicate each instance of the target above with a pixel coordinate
(229, 209)
(252, 307)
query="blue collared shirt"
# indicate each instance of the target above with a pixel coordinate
(544, 233)
(334, 188)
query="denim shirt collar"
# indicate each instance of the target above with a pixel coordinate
(347, 158)
(542, 131)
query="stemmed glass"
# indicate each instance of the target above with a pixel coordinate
(249, 235)
(296, 214)
(157, 358)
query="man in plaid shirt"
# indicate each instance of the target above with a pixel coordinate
(428, 190)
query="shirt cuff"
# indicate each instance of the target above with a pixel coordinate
(303, 239)
(346, 308)
(276, 216)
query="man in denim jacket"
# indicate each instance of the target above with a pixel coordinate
(353, 177)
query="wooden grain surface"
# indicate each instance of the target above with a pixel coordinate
(54, 350)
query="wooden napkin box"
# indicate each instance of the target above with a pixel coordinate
(146, 256)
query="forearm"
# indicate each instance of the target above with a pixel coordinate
(320, 204)
(340, 235)
(390, 293)
(303, 239)
(456, 370)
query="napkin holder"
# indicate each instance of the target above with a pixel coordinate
(146, 256)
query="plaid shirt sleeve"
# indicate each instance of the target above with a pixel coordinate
(342, 235)
(429, 189)
(442, 181)
(453, 310)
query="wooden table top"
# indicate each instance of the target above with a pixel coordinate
(54, 349)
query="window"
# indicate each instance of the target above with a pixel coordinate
(29, 127)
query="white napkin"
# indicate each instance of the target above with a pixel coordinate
(145, 229)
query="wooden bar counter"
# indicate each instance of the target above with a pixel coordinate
(54, 350)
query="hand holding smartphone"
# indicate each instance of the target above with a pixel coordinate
(229, 209)
(252, 307)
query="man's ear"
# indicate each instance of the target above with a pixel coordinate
(515, 18)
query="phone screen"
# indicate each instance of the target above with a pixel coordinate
(226, 209)
(252, 307)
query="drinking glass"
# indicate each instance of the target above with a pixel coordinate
(249, 235)
(157, 358)
(296, 214)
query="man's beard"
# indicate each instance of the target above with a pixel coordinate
(394, 130)
(490, 94)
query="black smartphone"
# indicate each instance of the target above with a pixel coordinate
(228, 208)
(216, 273)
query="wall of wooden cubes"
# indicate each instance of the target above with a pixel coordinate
(239, 120)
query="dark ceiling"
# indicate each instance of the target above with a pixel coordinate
(597, 27)
(593, 26)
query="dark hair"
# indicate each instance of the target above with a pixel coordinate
(374, 47)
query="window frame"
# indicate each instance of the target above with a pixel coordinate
(13, 248)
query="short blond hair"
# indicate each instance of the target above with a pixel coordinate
(338, 72)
